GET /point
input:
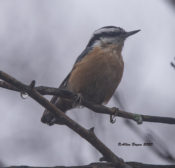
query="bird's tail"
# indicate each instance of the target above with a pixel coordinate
(63, 104)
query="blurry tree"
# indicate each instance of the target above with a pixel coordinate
(1, 164)
(172, 2)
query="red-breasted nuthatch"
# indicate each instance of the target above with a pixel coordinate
(96, 73)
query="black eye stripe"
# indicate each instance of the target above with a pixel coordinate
(103, 34)
(107, 31)
(109, 34)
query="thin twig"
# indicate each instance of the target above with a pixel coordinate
(94, 107)
(89, 135)
(159, 148)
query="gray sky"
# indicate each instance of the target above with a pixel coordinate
(40, 40)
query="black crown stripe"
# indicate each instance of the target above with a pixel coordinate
(103, 34)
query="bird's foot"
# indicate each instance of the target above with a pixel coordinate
(78, 100)
(50, 119)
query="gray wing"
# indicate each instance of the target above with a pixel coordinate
(83, 54)
(64, 83)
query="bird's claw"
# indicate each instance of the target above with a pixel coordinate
(78, 99)
(52, 121)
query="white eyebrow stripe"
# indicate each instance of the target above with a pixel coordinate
(105, 30)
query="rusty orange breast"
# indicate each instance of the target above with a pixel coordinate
(97, 75)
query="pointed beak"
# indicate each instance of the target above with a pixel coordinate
(127, 34)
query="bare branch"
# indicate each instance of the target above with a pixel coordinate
(142, 165)
(94, 107)
(159, 148)
(84, 133)
(103, 165)
(113, 161)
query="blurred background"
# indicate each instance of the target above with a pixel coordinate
(40, 40)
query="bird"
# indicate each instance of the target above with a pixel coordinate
(96, 73)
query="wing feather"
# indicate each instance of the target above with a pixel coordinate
(64, 83)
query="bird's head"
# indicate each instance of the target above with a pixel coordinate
(109, 35)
